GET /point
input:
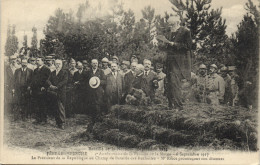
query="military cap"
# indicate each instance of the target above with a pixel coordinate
(214, 66)
(126, 62)
(105, 60)
(202, 66)
(115, 57)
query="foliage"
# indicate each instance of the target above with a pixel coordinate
(207, 29)
(11, 45)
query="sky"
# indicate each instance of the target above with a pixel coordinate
(25, 14)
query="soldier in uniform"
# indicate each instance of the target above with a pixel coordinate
(228, 96)
(215, 87)
(200, 84)
(105, 67)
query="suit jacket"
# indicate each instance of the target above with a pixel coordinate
(129, 79)
(78, 77)
(9, 78)
(147, 84)
(114, 88)
(60, 81)
(28, 78)
(94, 95)
(40, 77)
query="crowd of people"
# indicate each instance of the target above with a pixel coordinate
(47, 86)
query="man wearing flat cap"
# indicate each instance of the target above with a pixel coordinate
(105, 67)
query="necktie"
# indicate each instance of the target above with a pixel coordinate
(146, 73)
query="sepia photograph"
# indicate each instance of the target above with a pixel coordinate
(129, 82)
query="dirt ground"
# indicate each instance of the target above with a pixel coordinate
(25, 134)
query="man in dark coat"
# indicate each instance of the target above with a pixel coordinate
(79, 88)
(114, 86)
(23, 78)
(38, 87)
(9, 85)
(178, 64)
(129, 78)
(149, 81)
(57, 92)
(95, 96)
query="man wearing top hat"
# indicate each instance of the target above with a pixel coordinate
(94, 81)
(57, 82)
(39, 88)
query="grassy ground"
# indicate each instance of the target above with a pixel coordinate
(198, 126)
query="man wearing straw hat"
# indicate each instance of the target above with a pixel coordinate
(94, 80)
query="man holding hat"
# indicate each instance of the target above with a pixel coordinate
(105, 67)
(94, 81)
(215, 86)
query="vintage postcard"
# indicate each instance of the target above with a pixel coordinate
(129, 82)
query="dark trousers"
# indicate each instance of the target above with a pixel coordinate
(24, 102)
(95, 115)
(41, 104)
(174, 93)
(60, 113)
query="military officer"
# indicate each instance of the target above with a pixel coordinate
(200, 84)
(215, 87)
(106, 69)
